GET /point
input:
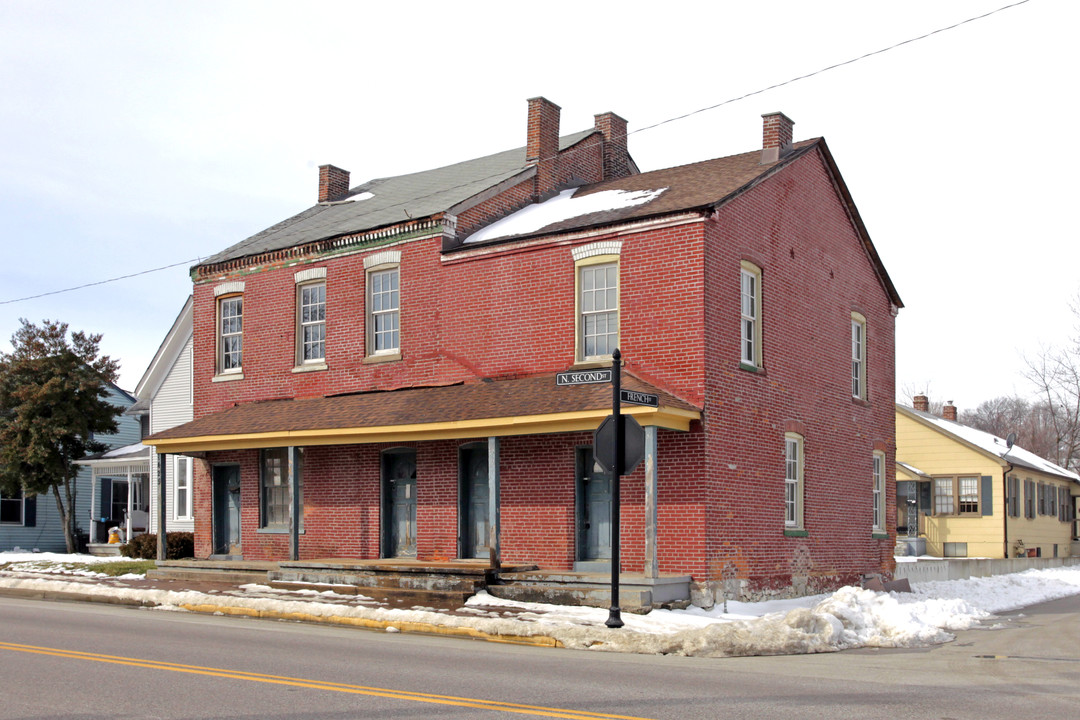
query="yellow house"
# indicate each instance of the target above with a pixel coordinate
(962, 492)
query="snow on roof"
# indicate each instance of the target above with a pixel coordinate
(562, 207)
(911, 468)
(996, 446)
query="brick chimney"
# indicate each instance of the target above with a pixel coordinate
(776, 137)
(333, 183)
(921, 403)
(949, 411)
(616, 156)
(542, 148)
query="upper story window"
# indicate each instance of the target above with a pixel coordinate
(879, 492)
(311, 319)
(750, 312)
(793, 481)
(858, 356)
(596, 324)
(182, 482)
(599, 310)
(384, 311)
(230, 333)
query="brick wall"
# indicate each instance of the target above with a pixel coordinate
(814, 274)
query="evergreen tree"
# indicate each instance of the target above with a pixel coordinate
(53, 400)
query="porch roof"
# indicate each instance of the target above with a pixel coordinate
(519, 406)
(118, 457)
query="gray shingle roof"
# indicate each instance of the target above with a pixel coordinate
(394, 200)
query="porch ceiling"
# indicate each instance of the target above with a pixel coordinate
(522, 406)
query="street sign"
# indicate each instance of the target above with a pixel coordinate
(583, 377)
(633, 443)
(639, 398)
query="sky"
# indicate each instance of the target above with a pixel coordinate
(849, 618)
(148, 134)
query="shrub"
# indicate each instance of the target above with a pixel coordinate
(178, 545)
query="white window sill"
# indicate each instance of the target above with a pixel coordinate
(388, 357)
(310, 367)
(227, 377)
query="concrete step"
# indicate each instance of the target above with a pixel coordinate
(242, 577)
(391, 595)
(441, 582)
(664, 590)
(635, 600)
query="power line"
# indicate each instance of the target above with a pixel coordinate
(99, 282)
(632, 132)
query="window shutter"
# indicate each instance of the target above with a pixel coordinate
(106, 499)
(986, 499)
(924, 497)
(30, 511)
(1063, 504)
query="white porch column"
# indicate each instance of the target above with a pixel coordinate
(494, 520)
(161, 539)
(652, 563)
(130, 503)
(95, 511)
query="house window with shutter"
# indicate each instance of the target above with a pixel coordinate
(11, 508)
(1029, 499)
(961, 495)
(1013, 502)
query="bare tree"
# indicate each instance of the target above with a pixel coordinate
(1055, 373)
(1031, 421)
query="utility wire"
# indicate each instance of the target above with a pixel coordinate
(632, 132)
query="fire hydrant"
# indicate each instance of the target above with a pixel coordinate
(114, 536)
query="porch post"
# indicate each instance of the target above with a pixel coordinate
(130, 502)
(652, 564)
(161, 544)
(494, 520)
(95, 511)
(294, 504)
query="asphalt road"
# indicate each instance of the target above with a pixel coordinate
(73, 660)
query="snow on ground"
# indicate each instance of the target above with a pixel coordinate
(848, 618)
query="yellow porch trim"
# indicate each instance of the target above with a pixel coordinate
(664, 417)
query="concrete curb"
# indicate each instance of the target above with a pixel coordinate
(361, 623)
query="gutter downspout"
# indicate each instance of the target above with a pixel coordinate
(1005, 515)
(1009, 442)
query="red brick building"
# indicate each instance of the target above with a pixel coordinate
(375, 377)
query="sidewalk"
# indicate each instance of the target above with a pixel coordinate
(265, 602)
(848, 618)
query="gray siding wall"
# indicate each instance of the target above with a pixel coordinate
(47, 535)
(171, 406)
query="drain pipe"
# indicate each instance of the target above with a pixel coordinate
(1009, 442)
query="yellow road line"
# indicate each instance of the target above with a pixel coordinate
(318, 684)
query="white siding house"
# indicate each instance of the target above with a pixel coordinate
(165, 394)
